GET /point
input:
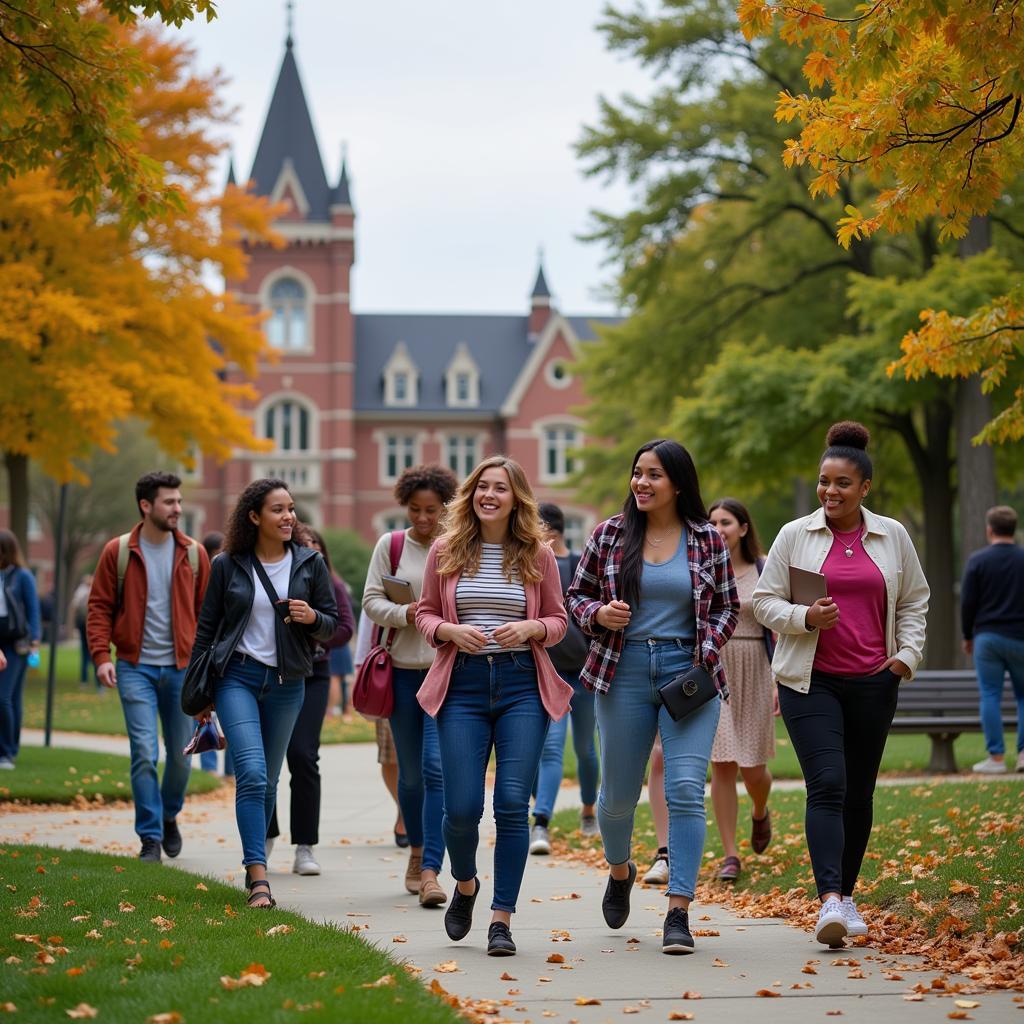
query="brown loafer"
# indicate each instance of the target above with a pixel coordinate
(729, 869)
(412, 873)
(761, 832)
(431, 894)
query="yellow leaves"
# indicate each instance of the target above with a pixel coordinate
(755, 17)
(447, 967)
(852, 226)
(818, 69)
(280, 929)
(254, 975)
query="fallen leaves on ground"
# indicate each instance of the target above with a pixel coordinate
(166, 1018)
(254, 975)
(83, 1011)
(556, 958)
(447, 967)
(587, 1001)
(382, 982)
(279, 929)
(680, 1015)
(767, 993)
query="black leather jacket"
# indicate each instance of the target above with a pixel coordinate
(228, 605)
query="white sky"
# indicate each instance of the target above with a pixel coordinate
(460, 118)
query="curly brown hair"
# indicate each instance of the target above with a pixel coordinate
(241, 532)
(462, 542)
(432, 477)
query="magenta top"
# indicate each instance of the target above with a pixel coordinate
(855, 646)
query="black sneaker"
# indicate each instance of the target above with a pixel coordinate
(150, 851)
(499, 940)
(676, 938)
(458, 918)
(615, 905)
(172, 838)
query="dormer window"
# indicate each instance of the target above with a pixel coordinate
(462, 380)
(401, 378)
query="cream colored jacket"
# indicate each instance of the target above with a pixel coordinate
(805, 543)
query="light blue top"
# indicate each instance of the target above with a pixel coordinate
(157, 637)
(666, 600)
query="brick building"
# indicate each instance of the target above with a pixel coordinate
(356, 397)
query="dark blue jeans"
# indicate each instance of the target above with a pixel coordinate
(996, 655)
(257, 712)
(492, 702)
(12, 683)
(420, 789)
(549, 778)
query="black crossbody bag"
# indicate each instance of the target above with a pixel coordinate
(688, 691)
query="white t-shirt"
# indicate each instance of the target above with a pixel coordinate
(259, 640)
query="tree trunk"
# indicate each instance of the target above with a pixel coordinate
(17, 492)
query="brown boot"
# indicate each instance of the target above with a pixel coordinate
(431, 894)
(412, 873)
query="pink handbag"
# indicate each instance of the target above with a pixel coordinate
(373, 695)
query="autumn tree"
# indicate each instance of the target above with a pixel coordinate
(924, 100)
(99, 323)
(67, 85)
(732, 278)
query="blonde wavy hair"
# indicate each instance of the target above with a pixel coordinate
(461, 549)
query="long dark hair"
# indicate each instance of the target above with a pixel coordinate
(317, 537)
(10, 550)
(678, 465)
(241, 532)
(750, 546)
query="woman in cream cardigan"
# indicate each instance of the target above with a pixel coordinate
(840, 661)
(492, 601)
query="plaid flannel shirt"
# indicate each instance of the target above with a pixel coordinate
(716, 604)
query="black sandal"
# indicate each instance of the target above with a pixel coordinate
(256, 893)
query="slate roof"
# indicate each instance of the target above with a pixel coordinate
(498, 344)
(288, 133)
(540, 289)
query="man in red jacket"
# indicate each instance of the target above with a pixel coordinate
(145, 599)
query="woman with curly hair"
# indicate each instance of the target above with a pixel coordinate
(423, 491)
(840, 661)
(491, 603)
(269, 599)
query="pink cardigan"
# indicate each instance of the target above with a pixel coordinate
(543, 602)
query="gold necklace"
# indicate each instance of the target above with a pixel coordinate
(660, 540)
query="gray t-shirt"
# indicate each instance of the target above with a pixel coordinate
(157, 634)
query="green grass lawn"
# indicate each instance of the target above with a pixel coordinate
(937, 850)
(58, 775)
(78, 708)
(136, 941)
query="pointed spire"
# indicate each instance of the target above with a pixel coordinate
(341, 195)
(540, 288)
(289, 145)
(231, 170)
(289, 21)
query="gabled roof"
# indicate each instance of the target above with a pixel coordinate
(498, 344)
(288, 135)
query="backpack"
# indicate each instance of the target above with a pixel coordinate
(570, 653)
(123, 555)
(13, 625)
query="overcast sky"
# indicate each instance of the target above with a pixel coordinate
(460, 119)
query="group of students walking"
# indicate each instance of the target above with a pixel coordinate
(663, 593)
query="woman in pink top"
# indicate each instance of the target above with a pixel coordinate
(491, 603)
(839, 662)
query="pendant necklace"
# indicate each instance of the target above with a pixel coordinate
(849, 547)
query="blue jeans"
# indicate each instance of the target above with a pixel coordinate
(12, 683)
(549, 777)
(150, 693)
(420, 789)
(492, 701)
(994, 656)
(628, 716)
(257, 712)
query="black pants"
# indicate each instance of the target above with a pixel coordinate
(304, 761)
(838, 729)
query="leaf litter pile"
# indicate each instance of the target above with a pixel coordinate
(943, 878)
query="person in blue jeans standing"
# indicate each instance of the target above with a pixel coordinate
(145, 596)
(568, 658)
(269, 600)
(19, 638)
(656, 590)
(992, 618)
(491, 603)
(423, 491)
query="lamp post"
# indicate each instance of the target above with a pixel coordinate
(58, 609)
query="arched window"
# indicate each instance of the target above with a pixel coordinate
(286, 423)
(288, 326)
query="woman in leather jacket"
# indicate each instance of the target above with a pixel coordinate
(263, 652)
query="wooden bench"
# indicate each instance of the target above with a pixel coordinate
(944, 703)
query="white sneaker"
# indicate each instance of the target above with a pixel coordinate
(832, 927)
(6, 764)
(540, 840)
(855, 924)
(589, 827)
(1020, 761)
(305, 862)
(657, 873)
(990, 767)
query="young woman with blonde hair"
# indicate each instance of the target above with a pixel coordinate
(491, 603)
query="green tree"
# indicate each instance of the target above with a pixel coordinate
(350, 556)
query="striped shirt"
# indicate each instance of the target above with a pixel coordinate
(488, 600)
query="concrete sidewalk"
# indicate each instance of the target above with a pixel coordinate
(559, 914)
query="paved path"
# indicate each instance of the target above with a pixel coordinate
(559, 913)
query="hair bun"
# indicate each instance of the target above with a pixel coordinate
(848, 434)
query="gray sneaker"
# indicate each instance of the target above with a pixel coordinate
(540, 840)
(588, 825)
(305, 862)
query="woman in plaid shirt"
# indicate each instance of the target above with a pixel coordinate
(655, 590)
